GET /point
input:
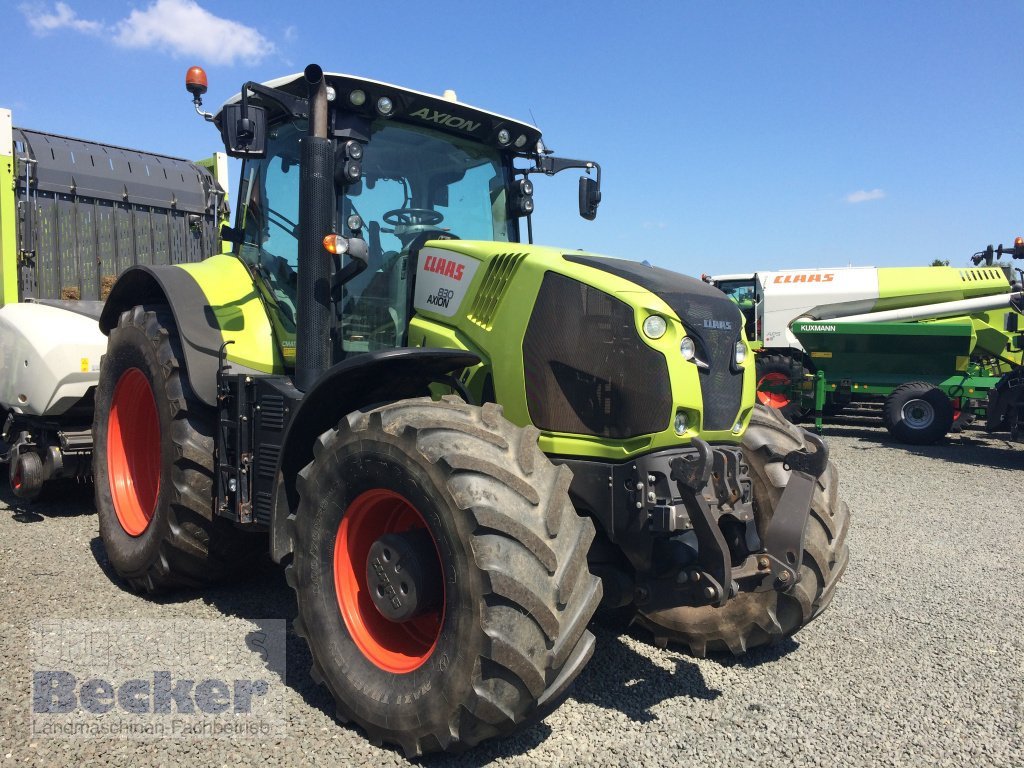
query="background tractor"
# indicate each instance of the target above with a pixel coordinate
(458, 443)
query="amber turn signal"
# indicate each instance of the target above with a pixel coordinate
(335, 244)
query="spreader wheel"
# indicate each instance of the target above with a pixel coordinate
(918, 413)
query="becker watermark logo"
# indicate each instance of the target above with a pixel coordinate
(158, 679)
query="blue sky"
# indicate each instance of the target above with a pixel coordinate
(733, 136)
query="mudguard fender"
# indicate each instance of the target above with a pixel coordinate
(198, 329)
(359, 382)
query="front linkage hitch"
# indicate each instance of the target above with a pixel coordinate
(775, 559)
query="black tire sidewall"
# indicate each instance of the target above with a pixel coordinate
(407, 701)
(129, 348)
(935, 397)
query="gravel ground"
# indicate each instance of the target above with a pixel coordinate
(919, 660)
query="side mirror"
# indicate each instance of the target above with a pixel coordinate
(590, 197)
(244, 130)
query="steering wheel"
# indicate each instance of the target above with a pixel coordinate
(413, 217)
(407, 223)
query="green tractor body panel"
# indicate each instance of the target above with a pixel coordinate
(502, 311)
(502, 314)
(235, 305)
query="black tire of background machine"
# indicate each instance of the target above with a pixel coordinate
(917, 413)
(753, 619)
(185, 545)
(514, 630)
(794, 371)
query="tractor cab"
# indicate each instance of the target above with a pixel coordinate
(409, 167)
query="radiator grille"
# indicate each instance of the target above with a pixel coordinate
(694, 301)
(587, 369)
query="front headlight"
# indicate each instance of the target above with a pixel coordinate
(655, 327)
(681, 424)
(741, 352)
(687, 348)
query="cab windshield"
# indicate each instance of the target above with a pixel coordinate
(739, 290)
(415, 183)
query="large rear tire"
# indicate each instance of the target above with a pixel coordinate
(753, 619)
(778, 377)
(918, 413)
(501, 551)
(153, 463)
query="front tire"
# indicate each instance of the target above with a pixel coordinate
(500, 549)
(918, 413)
(753, 619)
(153, 463)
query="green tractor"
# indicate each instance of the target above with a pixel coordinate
(458, 445)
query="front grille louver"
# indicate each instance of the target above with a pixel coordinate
(500, 272)
(695, 303)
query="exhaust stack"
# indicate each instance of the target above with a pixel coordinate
(316, 207)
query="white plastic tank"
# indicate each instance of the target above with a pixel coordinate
(49, 358)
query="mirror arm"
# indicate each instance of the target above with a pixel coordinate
(549, 166)
(295, 106)
(358, 254)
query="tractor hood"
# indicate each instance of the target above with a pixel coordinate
(570, 327)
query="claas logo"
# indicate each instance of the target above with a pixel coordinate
(444, 267)
(809, 277)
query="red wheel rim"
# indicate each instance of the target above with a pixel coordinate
(133, 451)
(396, 647)
(773, 399)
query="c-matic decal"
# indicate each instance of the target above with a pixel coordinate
(442, 279)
